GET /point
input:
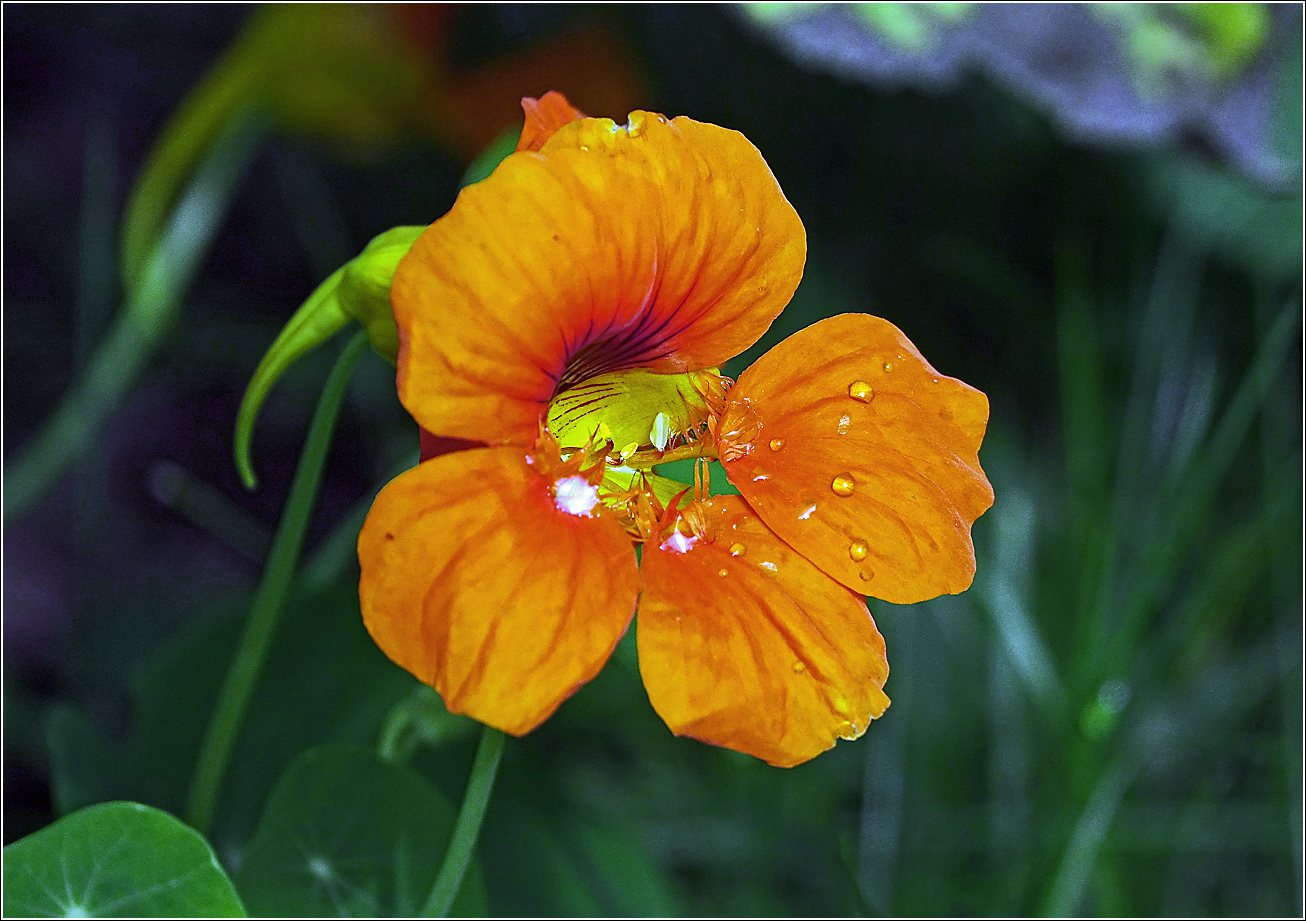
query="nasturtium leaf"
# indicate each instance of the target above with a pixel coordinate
(346, 834)
(324, 681)
(116, 860)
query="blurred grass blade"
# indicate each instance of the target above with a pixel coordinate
(147, 316)
(1192, 503)
(207, 508)
(1076, 869)
(205, 118)
(1001, 593)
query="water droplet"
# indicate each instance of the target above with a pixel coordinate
(769, 566)
(807, 512)
(575, 496)
(761, 478)
(845, 423)
(843, 485)
(888, 366)
(857, 550)
(861, 391)
(723, 573)
(737, 549)
(799, 668)
(865, 575)
(777, 444)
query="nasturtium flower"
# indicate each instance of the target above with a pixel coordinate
(562, 328)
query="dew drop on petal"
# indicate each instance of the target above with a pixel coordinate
(843, 485)
(807, 512)
(723, 573)
(857, 551)
(861, 391)
(678, 543)
(777, 444)
(737, 549)
(845, 422)
(799, 668)
(575, 496)
(769, 566)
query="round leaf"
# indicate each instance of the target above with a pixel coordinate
(116, 860)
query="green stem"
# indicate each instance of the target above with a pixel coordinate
(468, 826)
(270, 598)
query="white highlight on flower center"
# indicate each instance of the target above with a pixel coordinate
(678, 543)
(575, 496)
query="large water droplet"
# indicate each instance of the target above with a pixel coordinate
(843, 485)
(777, 444)
(737, 549)
(861, 391)
(575, 496)
(888, 366)
(857, 551)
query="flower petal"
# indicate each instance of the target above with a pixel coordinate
(544, 116)
(476, 581)
(664, 245)
(744, 643)
(862, 457)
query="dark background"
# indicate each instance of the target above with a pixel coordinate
(1081, 279)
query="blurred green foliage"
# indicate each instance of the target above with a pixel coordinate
(1108, 722)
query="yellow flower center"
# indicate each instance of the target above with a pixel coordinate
(641, 419)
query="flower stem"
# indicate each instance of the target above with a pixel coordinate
(270, 598)
(467, 827)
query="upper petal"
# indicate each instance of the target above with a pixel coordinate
(666, 245)
(744, 643)
(863, 457)
(477, 581)
(544, 116)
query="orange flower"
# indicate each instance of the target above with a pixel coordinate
(567, 316)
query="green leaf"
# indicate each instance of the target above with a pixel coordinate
(116, 860)
(346, 834)
(325, 681)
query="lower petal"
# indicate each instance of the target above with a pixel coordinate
(744, 643)
(477, 581)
